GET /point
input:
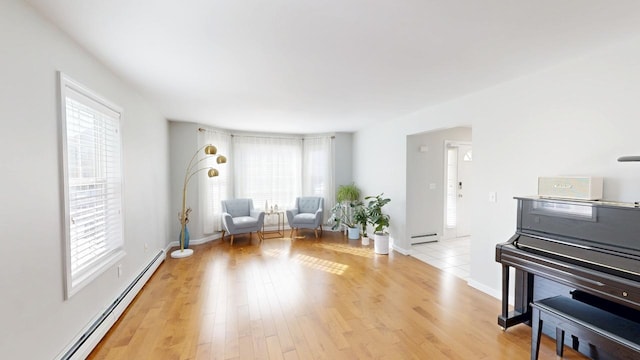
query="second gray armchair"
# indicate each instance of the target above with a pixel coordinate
(239, 217)
(307, 214)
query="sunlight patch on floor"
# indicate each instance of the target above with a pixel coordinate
(320, 264)
(276, 252)
(364, 252)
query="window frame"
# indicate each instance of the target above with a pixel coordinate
(75, 281)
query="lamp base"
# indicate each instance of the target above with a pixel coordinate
(178, 254)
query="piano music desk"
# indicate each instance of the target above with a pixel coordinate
(605, 332)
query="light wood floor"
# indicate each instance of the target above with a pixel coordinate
(311, 299)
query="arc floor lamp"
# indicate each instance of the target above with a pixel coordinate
(192, 169)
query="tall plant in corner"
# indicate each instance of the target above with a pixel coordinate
(380, 222)
(342, 213)
(347, 193)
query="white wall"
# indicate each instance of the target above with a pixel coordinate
(36, 321)
(183, 144)
(343, 161)
(574, 118)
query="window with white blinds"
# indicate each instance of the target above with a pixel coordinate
(93, 184)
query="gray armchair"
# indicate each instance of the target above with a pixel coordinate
(307, 214)
(239, 217)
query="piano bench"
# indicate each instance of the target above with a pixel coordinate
(605, 332)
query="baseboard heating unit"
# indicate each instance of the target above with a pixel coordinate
(84, 343)
(424, 238)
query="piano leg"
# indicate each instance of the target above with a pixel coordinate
(505, 297)
(524, 293)
(523, 297)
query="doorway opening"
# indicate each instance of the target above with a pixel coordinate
(439, 229)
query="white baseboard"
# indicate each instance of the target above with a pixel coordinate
(402, 251)
(200, 241)
(488, 290)
(90, 336)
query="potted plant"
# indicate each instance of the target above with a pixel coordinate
(380, 222)
(346, 196)
(361, 216)
(341, 214)
(347, 193)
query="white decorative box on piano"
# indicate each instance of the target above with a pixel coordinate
(571, 187)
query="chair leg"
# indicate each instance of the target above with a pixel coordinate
(222, 235)
(316, 232)
(320, 229)
(231, 240)
(291, 234)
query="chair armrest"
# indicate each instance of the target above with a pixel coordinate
(227, 222)
(290, 214)
(319, 217)
(258, 214)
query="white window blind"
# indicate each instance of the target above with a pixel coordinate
(93, 184)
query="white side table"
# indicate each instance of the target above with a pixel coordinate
(279, 231)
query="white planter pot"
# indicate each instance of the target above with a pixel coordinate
(354, 233)
(381, 243)
(365, 241)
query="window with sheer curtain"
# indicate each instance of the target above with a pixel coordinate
(273, 170)
(267, 169)
(317, 172)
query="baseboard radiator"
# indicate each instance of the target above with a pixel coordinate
(424, 238)
(84, 344)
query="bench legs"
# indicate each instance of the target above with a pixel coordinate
(575, 344)
(559, 341)
(536, 332)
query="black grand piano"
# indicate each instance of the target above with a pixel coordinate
(586, 250)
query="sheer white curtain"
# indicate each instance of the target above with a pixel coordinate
(213, 190)
(267, 169)
(317, 172)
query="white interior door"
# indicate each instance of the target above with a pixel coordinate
(463, 199)
(458, 159)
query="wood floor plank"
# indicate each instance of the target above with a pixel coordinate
(326, 298)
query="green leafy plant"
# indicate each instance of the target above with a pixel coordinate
(377, 218)
(347, 193)
(361, 216)
(341, 215)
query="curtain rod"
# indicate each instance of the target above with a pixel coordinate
(302, 137)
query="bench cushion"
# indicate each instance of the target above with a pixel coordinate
(611, 325)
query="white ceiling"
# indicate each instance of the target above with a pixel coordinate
(306, 66)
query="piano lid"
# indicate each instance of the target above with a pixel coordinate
(622, 264)
(611, 226)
